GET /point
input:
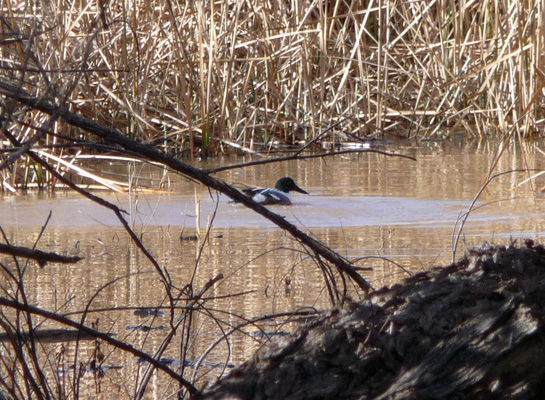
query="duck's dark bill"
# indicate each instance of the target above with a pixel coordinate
(298, 189)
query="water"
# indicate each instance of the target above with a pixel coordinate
(363, 206)
(314, 211)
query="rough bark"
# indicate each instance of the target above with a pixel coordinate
(472, 330)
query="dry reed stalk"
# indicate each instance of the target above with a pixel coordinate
(190, 74)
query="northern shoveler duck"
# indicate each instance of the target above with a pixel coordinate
(278, 195)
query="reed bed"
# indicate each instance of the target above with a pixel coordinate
(207, 77)
(212, 76)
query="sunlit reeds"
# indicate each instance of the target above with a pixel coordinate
(189, 74)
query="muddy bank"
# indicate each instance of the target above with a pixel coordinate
(472, 330)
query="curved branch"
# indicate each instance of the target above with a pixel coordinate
(99, 335)
(151, 153)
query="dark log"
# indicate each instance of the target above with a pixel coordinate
(472, 330)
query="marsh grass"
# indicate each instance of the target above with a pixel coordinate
(187, 75)
(205, 77)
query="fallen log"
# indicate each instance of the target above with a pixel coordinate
(472, 330)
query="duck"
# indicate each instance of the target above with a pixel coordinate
(277, 195)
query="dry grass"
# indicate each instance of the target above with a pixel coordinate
(248, 71)
(205, 77)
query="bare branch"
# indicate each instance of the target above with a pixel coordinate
(116, 137)
(41, 257)
(99, 335)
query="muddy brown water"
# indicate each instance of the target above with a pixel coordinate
(362, 206)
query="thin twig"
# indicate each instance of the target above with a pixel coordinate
(304, 157)
(106, 337)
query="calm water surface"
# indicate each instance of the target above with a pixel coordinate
(363, 206)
